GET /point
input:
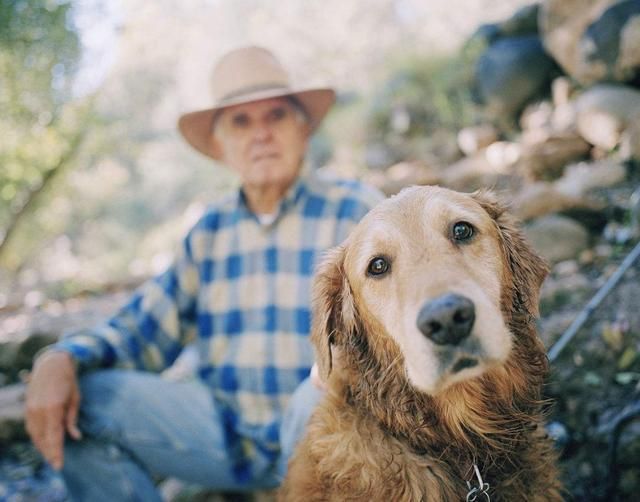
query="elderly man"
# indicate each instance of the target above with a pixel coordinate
(239, 289)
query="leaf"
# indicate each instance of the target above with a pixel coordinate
(592, 379)
(612, 335)
(627, 358)
(627, 377)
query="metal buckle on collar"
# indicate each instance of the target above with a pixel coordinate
(477, 491)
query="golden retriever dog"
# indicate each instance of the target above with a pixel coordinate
(424, 331)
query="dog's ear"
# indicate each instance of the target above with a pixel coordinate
(333, 309)
(527, 270)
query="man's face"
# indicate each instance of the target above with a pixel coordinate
(264, 141)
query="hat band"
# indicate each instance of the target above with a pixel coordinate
(253, 89)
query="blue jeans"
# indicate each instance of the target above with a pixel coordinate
(139, 425)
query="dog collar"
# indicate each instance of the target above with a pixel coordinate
(477, 491)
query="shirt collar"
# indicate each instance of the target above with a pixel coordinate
(292, 196)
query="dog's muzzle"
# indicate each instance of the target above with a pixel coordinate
(447, 320)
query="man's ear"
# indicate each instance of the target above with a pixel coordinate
(525, 270)
(332, 308)
(215, 147)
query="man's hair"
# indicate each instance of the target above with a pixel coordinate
(298, 108)
(301, 111)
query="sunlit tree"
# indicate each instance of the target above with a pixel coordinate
(40, 124)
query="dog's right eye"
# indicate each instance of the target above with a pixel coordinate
(462, 231)
(378, 266)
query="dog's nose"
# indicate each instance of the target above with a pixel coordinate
(447, 320)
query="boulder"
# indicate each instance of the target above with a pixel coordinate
(546, 159)
(18, 356)
(8, 355)
(610, 44)
(510, 72)
(604, 111)
(12, 413)
(523, 22)
(402, 175)
(592, 40)
(630, 140)
(379, 155)
(561, 90)
(475, 138)
(536, 117)
(484, 168)
(557, 238)
(578, 179)
(539, 199)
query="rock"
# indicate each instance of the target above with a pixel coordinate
(610, 44)
(18, 356)
(484, 36)
(8, 354)
(503, 155)
(547, 159)
(564, 118)
(604, 111)
(554, 324)
(593, 217)
(557, 238)
(536, 116)
(402, 175)
(592, 40)
(30, 347)
(12, 413)
(541, 198)
(474, 172)
(566, 268)
(379, 156)
(473, 139)
(625, 300)
(523, 22)
(578, 179)
(561, 91)
(510, 72)
(600, 128)
(440, 147)
(630, 140)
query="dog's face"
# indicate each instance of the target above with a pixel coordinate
(431, 269)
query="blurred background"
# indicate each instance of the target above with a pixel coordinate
(539, 101)
(94, 176)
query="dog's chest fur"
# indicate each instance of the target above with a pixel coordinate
(352, 454)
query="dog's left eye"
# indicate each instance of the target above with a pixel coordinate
(378, 266)
(462, 231)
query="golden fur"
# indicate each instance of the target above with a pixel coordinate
(397, 424)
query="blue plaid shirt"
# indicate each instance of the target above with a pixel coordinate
(240, 290)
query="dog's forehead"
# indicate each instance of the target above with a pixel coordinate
(417, 212)
(419, 204)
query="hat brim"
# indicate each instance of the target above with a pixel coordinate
(195, 127)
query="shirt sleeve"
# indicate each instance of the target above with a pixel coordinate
(360, 199)
(150, 331)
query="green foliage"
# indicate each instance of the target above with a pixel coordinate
(423, 95)
(39, 122)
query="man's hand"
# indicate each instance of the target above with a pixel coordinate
(52, 404)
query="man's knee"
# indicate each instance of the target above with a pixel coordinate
(108, 399)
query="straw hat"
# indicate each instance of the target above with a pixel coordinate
(245, 75)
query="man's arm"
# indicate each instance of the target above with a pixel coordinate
(151, 330)
(148, 333)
